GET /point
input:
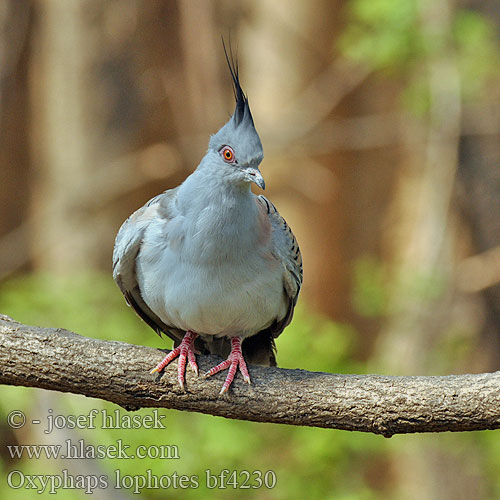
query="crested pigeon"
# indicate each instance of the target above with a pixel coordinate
(210, 264)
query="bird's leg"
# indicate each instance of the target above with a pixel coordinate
(235, 358)
(184, 350)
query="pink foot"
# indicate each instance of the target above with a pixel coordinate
(184, 350)
(235, 358)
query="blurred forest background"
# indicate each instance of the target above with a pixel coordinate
(380, 122)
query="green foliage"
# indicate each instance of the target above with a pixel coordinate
(323, 336)
(369, 296)
(90, 304)
(372, 282)
(392, 38)
(478, 52)
(382, 33)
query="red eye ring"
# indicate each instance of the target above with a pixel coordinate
(227, 154)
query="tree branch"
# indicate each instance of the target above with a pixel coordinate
(60, 360)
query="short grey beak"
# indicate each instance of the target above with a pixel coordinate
(254, 175)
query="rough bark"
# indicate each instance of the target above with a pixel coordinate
(60, 360)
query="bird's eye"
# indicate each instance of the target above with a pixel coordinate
(228, 154)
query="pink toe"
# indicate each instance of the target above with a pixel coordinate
(184, 351)
(234, 361)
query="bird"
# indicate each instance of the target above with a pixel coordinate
(209, 263)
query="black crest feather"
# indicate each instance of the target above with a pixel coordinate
(239, 95)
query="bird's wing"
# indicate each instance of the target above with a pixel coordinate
(286, 250)
(127, 246)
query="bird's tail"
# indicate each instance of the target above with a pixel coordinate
(257, 350)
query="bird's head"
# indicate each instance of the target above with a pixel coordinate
(236, 147)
